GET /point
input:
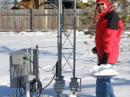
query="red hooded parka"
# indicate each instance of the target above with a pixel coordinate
(108, 34)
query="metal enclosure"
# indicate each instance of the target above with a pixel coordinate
(22, 63)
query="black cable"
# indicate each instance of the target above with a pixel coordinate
(52, 77)
(49, 82)
(52, 69)
(40, 88)
(36, 86)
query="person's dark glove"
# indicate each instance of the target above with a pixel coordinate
(94, 50)
(104, 59)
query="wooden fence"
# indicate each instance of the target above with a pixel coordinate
(36, 20)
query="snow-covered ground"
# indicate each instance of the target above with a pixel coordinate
(47, 43)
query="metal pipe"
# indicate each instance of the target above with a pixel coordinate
(59, 42)
(74, 48)
(60, 83)
(28, 89)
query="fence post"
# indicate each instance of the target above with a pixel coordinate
(46, 19)
(31, 20)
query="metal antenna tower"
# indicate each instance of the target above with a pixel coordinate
(66, 41)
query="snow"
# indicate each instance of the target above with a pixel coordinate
(85, 60)
(104, 70)
(85, 1)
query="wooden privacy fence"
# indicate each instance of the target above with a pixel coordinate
(26, 20)
(36, 20)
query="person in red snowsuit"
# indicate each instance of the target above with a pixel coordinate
(108, 34)
(109, 28)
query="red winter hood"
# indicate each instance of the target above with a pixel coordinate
(104, 1)
(109, 9)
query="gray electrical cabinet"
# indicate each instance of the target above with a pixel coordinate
(22, 63)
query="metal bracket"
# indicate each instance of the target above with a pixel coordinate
(59, 85)
(75, 86)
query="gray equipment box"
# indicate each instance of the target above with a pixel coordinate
(22, 63)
